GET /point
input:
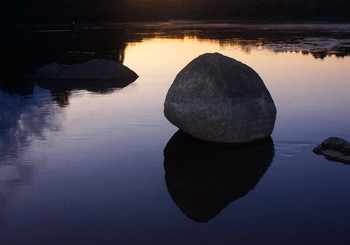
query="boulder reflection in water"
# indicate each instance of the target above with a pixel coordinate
(203, 178)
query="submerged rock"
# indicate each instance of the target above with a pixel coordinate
(216, 98)
(98, 69)
(334, 149)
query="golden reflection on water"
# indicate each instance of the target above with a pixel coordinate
(168, 56)
(304, 89)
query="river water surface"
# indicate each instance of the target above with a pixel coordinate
(104, 166)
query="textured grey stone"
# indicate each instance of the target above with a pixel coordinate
(219, 99)
(98, 69)
(334, 149)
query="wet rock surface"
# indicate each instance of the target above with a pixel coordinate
(219, 99)
(334, 149)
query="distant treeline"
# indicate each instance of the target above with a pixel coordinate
(59, 11)
(266, 9)
(63, 11)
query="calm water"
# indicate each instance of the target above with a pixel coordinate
(104, 166)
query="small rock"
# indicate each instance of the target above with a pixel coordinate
(334, 149)
(97, 69)
(218, 99)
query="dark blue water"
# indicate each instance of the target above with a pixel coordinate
(104, 166)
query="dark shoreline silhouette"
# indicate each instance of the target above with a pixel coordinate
(203, 178)
(25, 50)
(64, 11)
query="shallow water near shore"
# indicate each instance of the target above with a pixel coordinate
(104, 166)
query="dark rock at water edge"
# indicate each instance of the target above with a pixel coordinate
(98, 86)
(334, 149)
(97, 69)
(99, 75)
(216, 98)
(203, 178)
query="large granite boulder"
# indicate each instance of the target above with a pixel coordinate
(97, 69)
(216, 98)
